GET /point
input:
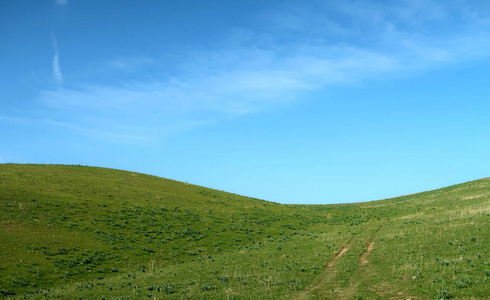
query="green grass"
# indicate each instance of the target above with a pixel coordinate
(73, 232)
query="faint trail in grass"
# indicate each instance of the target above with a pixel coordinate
(318, 288)
(363, 257)
(331, 263)
(328, 273)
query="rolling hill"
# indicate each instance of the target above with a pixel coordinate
(76, 232)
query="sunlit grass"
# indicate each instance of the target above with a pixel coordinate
(75, 232)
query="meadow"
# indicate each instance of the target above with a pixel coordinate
(77, 232)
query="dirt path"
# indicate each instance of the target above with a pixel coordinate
(317, 289)
(327, 274)
(331, 263)
(363, 257)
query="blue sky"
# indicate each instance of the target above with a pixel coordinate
(313, 102)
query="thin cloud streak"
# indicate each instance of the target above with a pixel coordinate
(264, 70)
(61, 2)
(57, 69)
(57, 75)
(128, 135)
(128, 64)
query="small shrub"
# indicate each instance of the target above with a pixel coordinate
(444, 293)
(6, 293)
(444, 263)
(208, 287)
(168, 288)
(463, 283)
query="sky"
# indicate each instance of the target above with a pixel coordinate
(295, 102)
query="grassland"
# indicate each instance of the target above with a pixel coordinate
(73, 232)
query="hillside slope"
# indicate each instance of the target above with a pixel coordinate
(83, 232)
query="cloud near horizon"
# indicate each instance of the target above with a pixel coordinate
(301, 50)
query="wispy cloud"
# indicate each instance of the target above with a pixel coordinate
(95, 128)
(57, 69)
(57, 75)
(128, 64)
(299, 49)
(61, 2)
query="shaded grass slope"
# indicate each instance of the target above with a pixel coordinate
(73, 232)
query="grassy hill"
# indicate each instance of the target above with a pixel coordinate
(73, 232)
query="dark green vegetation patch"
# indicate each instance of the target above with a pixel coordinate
(72, 232)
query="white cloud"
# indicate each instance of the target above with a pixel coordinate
(57, 69)
(106, 132)
(254, 71)
(158, 108)
(61, 2)
(128, 64)
(57, 75)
